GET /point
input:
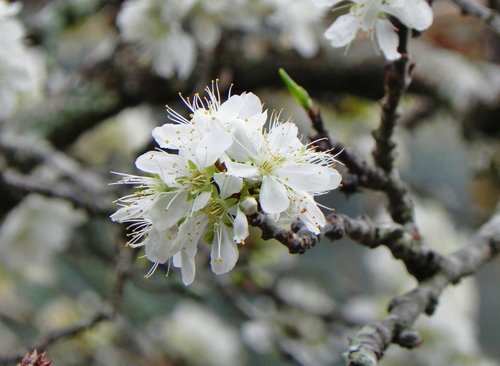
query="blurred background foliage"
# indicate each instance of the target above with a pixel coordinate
(95, 99)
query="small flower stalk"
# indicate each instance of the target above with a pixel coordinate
(225, 165)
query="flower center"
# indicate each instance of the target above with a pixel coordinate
(268, 166)
(194, 183)
(216, 209)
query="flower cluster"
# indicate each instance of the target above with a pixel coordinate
(17, 79)
(225, 166)
(372, 16)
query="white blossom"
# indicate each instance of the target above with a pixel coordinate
(156, 26)
(224, 166)
(371, 16)
(297, 21)
(17, 79)
(33, 233)
(200, 337)
(289, 171)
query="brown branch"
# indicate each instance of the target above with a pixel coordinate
(420, 261)
(362, 174)
(369, 344)
(31, 151)
(24, 184)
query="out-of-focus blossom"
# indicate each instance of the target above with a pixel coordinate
(156, 26)
(297, 21)
(199, 337)
(33, 232)
(18, 79)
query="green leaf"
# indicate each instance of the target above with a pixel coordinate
(298, 93)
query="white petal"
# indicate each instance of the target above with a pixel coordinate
(187, 266)
(310, 214)
(251, 105)
(201, 201)
(161, 163)
(335, 179)
(273, 197)
(190, 233)
(206, 31)
(169, 209)
(228, 184)
(177, 260)
(241, 170)
(160, 245)
(304, 177)
(240, 227)
(224, 252)
(243, 146)
(173, 136)
(183, 50)
(282, 136)
(370, 13)
(163, 63)
(256, 122)
(416, 14)
(387, 39)
(343, 30)
(304, 41)
(230, 109)
(326, 3)
(188, 269)
(211, 147)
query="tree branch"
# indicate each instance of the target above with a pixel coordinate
(420, 261)
(369, 344)
(25, 185)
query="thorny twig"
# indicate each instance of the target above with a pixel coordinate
(369, 344)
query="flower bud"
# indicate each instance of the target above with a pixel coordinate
(249, 206)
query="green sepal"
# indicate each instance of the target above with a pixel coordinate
(209, 236)
(300, 95)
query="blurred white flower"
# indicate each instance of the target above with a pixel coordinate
(371, 16)
(297, 21)
(119, 138)
(18, 80)
(200, 337)
(156, 26)
(305, 295)
(33, 232)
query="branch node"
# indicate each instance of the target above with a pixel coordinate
(408, 338)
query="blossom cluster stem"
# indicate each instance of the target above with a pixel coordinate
(370, 342)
